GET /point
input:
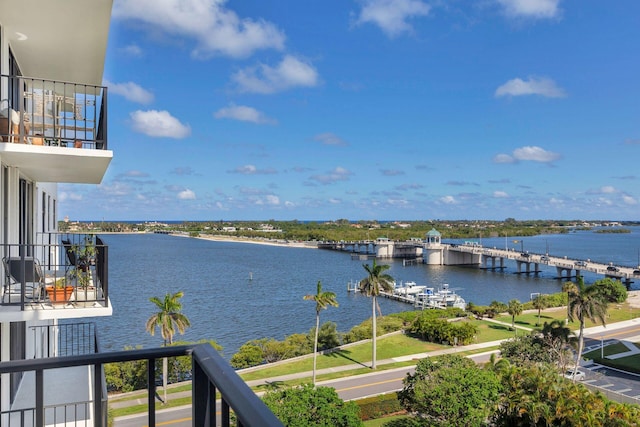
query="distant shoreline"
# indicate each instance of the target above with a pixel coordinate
(232, 239)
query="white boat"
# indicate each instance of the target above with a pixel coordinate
(408, 288)
(442, 298)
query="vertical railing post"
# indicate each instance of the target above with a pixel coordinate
(39, 398)
(97, 394)
(105, 276)
(151, 391)
(225, 417)
(105, 112)
(22, 273)
(198, 405)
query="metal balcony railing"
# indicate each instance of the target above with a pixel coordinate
(65, 339)
(71, 272)
(54, 113)
(211, 375)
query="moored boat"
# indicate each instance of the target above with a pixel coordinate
(408, 288)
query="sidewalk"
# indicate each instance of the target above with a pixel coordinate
(355, 366)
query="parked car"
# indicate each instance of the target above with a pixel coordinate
(581, 263)
(578, 375)
(612, 268)
(524, 254)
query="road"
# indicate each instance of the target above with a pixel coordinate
(607, 379)
(349, 388)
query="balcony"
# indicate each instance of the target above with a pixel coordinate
(54, 131)
(212, 375)
(64, 279)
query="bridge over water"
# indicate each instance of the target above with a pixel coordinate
(527, 262)
(433, 252)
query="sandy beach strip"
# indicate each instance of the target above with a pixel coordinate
(255, 241)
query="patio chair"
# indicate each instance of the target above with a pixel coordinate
(25, 270)
(71, 254)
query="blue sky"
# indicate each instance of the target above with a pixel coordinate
(370, 109)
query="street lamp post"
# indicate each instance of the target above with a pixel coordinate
(601, 347)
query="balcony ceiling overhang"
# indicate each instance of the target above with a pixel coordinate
(58, 40)
(57, 164)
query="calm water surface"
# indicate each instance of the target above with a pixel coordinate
(225, 305)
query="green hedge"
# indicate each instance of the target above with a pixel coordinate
(379, 406)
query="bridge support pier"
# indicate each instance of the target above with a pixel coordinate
(560, 271)
(527, 267)
(494, 262)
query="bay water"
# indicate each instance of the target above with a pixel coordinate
(236, 292)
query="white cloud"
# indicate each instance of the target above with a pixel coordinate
(159, 124)
(214, 28)
(272, 200)
(535, 154)
(531, 153)
(398, 202)
(531, 8)
(448, 200)
(500, 194)
(329, 138)
(267, 199)
(135, 174)
(629, 200)
(131, 50)
(338, 174)
(503, 158)
(65, 195)
(130, 91)
(533, 86)
(392, 15)
(556, 201)
(289, 73)
(187, 195)
(252, 170)
(116, 189)
(608, 189)
(243, 114)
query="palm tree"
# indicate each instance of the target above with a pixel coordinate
(168, 319)
(323, 301)
(371, 286)
(514, 309)
(585, 302)
(540, 302)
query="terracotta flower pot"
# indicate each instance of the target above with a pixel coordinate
(59, 295)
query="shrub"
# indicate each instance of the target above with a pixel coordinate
(379, 406)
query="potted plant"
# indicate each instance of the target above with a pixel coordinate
(60, 291)
(85, 255)
(85, 291)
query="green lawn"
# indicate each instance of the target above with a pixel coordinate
(490, 331)
(615, 313)
(381, 421)
(631, 363)
(388, 347)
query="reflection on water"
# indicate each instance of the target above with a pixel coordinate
(236, 292)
